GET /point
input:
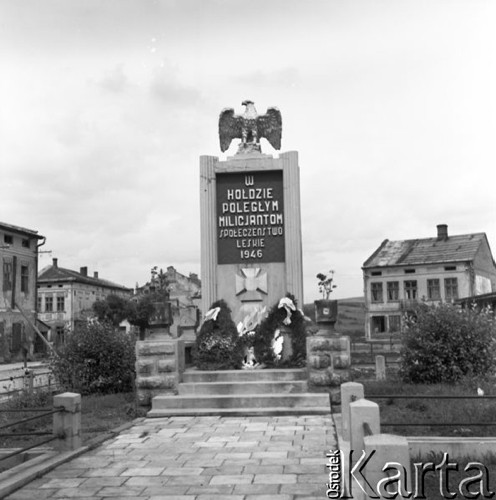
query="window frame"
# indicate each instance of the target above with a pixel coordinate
(431, 282)
(410, 286)
(393, 290)
(376, 292)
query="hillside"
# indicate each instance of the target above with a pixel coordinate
(351, 316)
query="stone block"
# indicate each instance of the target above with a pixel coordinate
(315, 344)
(341, 360)
(149, 348)
(319, 361)
(145, 366)
(166, 365)
(320, 377)
(155, 382)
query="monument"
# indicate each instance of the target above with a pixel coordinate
(251, 252)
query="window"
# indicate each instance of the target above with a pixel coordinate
(393, 291)
(409, 271)
(376, 273)
(376, 289)
(59, 335)
(451, 288)
(25, 243)
(378, 324)
(48, 303)
(433, 289)
(8, 239)
(450, 268)
(7, 275)
(60, 303)
(25, 279)
(39, 303)
(394, 323)
(411, 290)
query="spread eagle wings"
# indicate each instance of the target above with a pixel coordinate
(268, 126)
(230, 127)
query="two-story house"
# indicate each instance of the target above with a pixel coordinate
(19, 262)
(444, 268)
(66, 297)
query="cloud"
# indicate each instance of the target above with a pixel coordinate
(115, 80)
(166, 88)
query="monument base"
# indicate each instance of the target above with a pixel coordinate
(159, 365)
(328, 359)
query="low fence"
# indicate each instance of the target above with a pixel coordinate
(361, 434)
(365, 351)
(66, 433)
(26, 380)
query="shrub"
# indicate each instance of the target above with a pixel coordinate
(444, 344)
(96, 358)
(216, 346)
(264, 336)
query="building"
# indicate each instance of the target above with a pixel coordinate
(185, 297)
(66, 297)
(19, 260)
(444, 268)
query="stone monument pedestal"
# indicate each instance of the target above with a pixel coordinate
(159, 364)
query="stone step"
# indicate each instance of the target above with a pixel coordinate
(239, 412)
(241, 402)
(239, 388)
(244, 375)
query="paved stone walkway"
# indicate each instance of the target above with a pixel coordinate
(199, 458)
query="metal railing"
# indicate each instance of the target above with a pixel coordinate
(430, 396)
(45, 413)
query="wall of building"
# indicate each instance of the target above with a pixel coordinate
(485, 271)
(18, 261)
(386, 307)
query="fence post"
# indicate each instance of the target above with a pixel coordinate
(390, 449)
(67, 423)
(380, 367)
(350, 391)
(362, 411)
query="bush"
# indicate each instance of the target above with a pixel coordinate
(216, 346)
(97, 358)
(444, 344)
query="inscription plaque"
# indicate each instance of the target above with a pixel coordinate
(250, 217)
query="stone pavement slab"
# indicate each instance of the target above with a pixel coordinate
(199, 458)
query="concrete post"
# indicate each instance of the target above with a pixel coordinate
(350, 391)
(362, 411)
(392, 450)
(380, 367)
(67, 423)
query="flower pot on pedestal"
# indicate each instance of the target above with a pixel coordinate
(326, 315)
(160, 321)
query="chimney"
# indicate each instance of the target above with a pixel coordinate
(95, 274)
(83, 271)
(442, 231)
(55, 263)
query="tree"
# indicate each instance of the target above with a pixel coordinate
(443, 343)
(113, 309)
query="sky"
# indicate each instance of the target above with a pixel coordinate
(106, 107)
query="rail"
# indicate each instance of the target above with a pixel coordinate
(432, 424)
(45, 413)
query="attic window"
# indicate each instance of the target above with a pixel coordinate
(25, 243)
(409, 271)
(8, 239)
(450, 268)
(376, 273)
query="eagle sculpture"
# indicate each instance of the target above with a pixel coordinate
(250, 127)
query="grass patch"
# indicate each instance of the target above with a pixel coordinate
(433, 410)
(99, 413)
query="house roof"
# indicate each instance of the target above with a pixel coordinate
(426, 251)
(55, 274)
(20, 230)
